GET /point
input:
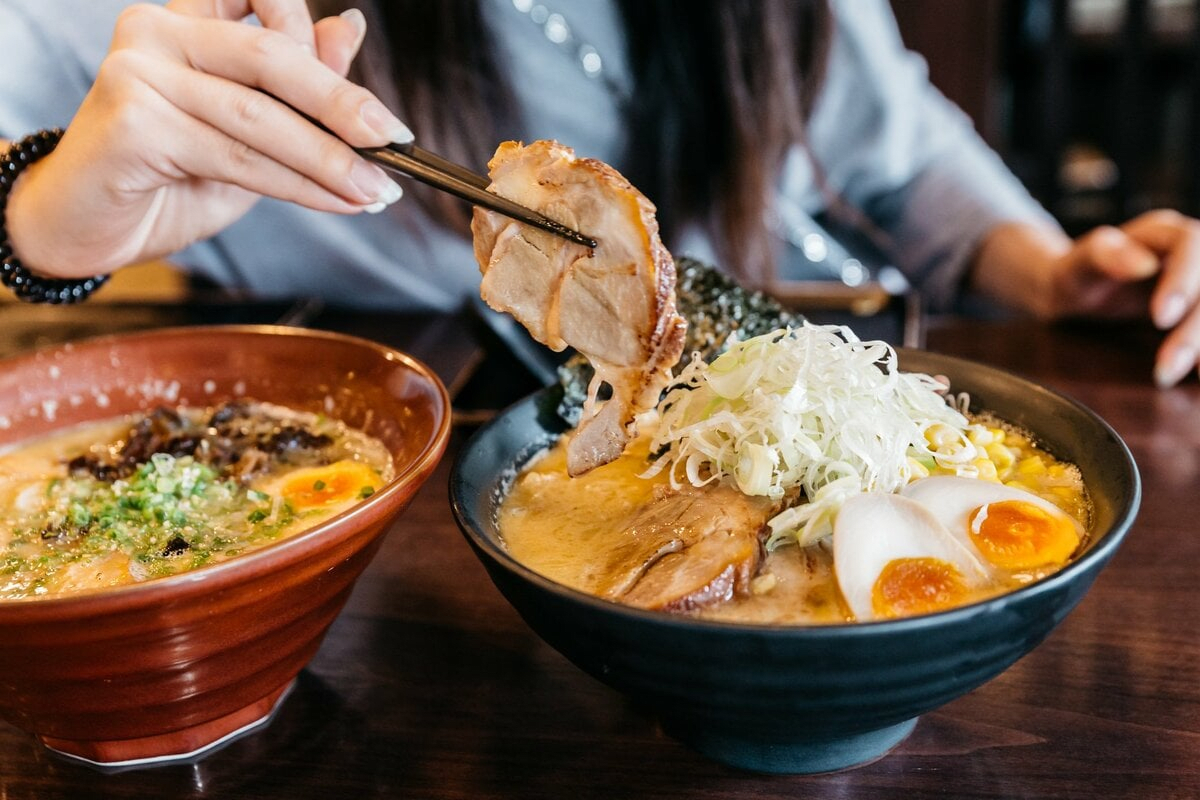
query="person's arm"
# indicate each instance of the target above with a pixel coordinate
(1150, 263)
(958, 218)
(178, 137)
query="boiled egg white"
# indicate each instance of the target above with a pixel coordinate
(893, 558)
(1006, 527)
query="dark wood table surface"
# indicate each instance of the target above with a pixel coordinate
(430, 686)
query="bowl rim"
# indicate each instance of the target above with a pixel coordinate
(294, 548)
(1092, 559)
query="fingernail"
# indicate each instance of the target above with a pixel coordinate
(373, 183)
(375, 208)
(385, 122)
(391, 193)
(1176, 366)
(1173, 309)
(356, 18)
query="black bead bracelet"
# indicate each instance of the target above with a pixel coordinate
(24, 284)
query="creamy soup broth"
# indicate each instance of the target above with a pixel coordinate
(94, 506)
(564, 528)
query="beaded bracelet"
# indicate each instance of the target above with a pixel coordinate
(24, 284)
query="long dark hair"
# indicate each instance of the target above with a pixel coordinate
(721, 91)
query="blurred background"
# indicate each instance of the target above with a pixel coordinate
(1095, 104)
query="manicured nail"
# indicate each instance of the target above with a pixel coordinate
(1173, 309)
(1178, 365)
(374, 183)
(356, 18)
(375, 208)
(391, 193)
(385, 122)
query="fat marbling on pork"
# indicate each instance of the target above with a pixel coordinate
(614, 304)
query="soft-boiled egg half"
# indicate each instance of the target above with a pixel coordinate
(894, 559)
(341, 482)
(940, 540)
(1009, 528)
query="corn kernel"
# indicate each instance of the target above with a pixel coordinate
(980, 436)
(985, 469)
(1001, 456)
(1033, 465)
(944, 436)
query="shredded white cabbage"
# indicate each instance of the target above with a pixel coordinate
(808, 410)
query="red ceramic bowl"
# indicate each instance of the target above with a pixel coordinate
(174, 666)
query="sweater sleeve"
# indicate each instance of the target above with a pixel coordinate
(894, 147)
(52, 49)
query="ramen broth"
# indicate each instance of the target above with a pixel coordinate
(134, 498)
(568, 529)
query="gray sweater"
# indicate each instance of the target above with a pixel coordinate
(887, 141)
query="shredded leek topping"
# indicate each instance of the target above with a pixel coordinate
(809, 413)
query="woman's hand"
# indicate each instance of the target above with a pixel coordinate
(1150, 264)
(178, 136)
(1147, 266)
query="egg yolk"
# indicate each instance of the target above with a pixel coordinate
(910, 586)
(1017, 535)
(338, 482)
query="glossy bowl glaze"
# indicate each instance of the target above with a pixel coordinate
(169, 668)
(802, 699)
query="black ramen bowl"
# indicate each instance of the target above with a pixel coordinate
(803, 699)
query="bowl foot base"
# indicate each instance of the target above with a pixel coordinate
(187, 744)
(807, 756)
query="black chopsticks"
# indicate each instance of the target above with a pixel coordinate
(416, 162)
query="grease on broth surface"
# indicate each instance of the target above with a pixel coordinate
(578, 531)
(135, 498)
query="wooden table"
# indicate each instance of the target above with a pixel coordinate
(430, 686)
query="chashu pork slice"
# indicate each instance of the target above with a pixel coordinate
(687, 549)
(614, 304)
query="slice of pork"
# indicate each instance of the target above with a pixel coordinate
(688, 549)
(614, 304)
